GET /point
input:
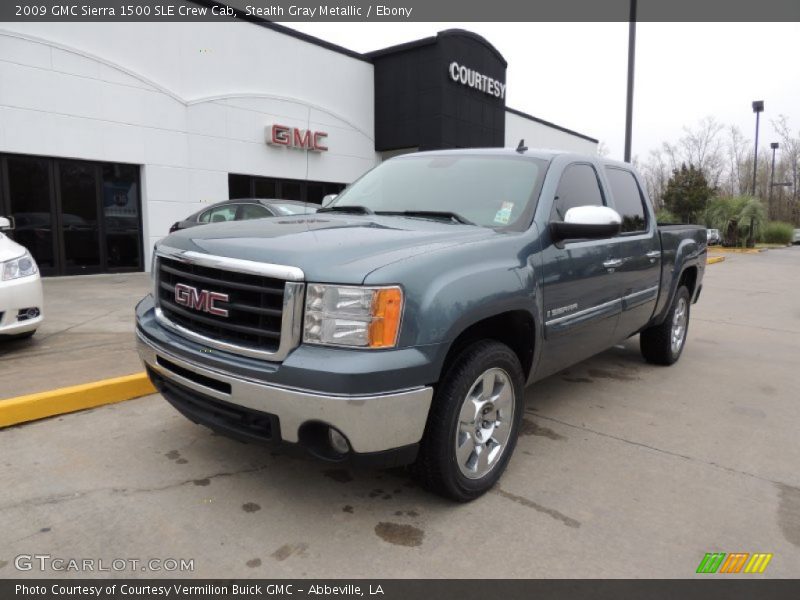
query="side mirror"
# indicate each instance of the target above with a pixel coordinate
(587, 222)
(6, 223)
(328, 199)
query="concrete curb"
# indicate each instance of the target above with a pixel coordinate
(740, 250)
(714, 259)
(70, 399)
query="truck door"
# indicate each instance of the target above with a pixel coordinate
(639, 274)
(581, 301)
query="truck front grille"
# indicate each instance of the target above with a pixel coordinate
(254, 307)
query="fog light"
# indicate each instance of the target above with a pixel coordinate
(337, 441)
(24, 314)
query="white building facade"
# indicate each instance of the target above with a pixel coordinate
(111, 132)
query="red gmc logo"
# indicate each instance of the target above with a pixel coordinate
(292, 137)
(201, 300)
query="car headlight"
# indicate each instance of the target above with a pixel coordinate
(23, 266)
(355, 316)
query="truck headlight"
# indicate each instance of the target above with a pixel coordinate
(23, 266)
(356, 316)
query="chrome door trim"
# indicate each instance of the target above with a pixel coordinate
(597, 310)
(640, 297)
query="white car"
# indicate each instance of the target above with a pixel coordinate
(21, 306)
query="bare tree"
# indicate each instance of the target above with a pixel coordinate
(702, 147)
(739, 162)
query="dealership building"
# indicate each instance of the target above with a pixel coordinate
(109, 133)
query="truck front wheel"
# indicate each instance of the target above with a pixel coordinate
(663, 344)
(473, 423)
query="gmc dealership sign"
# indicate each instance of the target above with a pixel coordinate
(471, 78)
(292, 137)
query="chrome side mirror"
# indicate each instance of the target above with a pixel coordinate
(587, 222)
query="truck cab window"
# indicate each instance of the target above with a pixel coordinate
(578, 187)
(628, 200)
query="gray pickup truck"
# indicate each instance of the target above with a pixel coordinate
(401, 323)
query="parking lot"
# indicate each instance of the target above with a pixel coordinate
(623, 469)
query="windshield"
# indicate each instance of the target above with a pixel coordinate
(491, 191)
(293, 209)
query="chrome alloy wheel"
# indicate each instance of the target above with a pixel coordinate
(679, 320)
(484, 423)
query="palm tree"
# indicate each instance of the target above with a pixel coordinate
(736, 217)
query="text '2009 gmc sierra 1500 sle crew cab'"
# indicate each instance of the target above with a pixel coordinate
(401, 323)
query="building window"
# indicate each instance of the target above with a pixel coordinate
(74, 216)
(251, 186)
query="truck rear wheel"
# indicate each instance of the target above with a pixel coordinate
(663, 344)
(474, 422)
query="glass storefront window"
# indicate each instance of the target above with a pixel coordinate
(74, 216)
(30, 204)
(121, 215)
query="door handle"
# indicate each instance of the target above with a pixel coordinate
(653, 255)
(612, 263)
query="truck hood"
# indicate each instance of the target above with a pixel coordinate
(9, 249)
(328, 247)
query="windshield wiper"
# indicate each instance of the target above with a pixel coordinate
(359, 210)
(429, 214)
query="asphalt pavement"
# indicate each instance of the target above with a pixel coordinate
(623, 470)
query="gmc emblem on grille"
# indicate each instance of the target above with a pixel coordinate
(201, 300)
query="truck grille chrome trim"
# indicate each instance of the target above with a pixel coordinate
(262, 312)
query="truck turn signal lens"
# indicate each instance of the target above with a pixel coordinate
(386, 309)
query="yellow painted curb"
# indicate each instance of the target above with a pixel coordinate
(714, 259)
(76, 397)
(739, 250)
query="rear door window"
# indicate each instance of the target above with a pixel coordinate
(628, 199)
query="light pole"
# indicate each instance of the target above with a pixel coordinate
(758, 108)
(631, 57)
(774, 146)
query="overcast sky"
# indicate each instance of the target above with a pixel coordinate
(574, 74)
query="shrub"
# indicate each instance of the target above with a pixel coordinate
(664, 217)
(777, 232)
(732, 216)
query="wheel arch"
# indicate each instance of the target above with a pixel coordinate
(514, 328)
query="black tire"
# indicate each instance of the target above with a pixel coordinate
(17, 336)
(437, 467)
(656, 342)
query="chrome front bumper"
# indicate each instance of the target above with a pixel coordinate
(371, 423)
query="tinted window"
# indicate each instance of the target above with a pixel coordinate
(238, 186)
(578, 187)
(627, 199)
(253, 211)
(121, 213)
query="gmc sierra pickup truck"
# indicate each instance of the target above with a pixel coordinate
(402, 322)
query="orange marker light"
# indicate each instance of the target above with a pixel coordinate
(387, 305)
